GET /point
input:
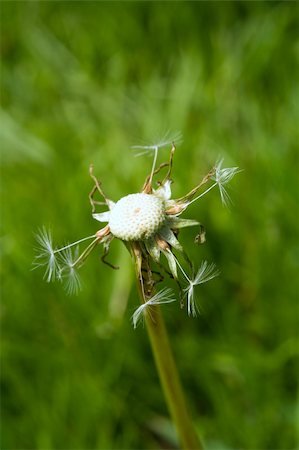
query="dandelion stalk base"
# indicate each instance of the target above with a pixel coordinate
(170, 380)
(168, 374)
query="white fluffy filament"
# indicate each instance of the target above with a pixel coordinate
(164, 296)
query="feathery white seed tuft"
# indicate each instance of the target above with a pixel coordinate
(163, 296)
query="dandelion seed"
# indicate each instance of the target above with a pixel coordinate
(149, 149)
(167, 139)
(88, 238)
(205, 273)
(68, 272)
(223, 177)
(46, 255)
(164, 296)
(58, 261)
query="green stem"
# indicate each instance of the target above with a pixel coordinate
(170, 380)
(169, 376)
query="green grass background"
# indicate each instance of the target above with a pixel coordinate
(82, 82)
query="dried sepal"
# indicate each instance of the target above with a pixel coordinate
(102, 217)
(176, 223)
(167, 234)
(153, 248)
(171, 262)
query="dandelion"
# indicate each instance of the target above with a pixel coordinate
(148, 222)
(163, 296)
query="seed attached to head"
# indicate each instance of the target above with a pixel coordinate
(136, 217)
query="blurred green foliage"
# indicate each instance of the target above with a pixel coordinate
(82, 82)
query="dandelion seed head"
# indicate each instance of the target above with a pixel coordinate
(136, 217)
